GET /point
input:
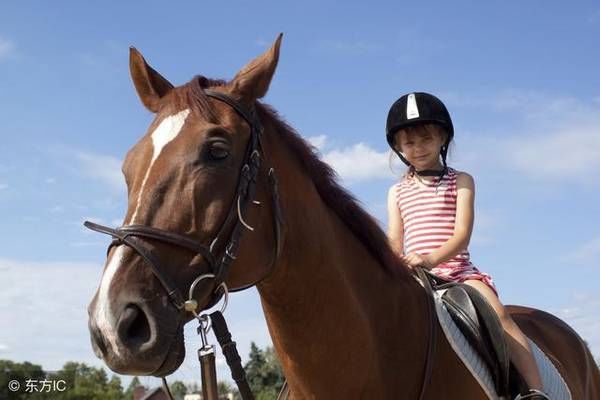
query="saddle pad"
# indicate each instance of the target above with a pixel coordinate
(554, 385)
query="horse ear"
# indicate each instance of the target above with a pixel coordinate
(252, 82)
(149, 84)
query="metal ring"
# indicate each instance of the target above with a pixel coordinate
(225, 294)
(196, 281)
(205, 322)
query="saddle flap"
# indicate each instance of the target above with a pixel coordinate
(480, 323)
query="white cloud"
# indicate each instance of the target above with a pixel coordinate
(582, 315)
(34, 297)
(359, 162)
(7, 47)
(318, 141)
(104, 168)
(587, 253)
(567, 153)
(531, 105)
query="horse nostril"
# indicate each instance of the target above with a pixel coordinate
(133, 327)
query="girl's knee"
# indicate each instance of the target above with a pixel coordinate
(492, 299)
(505, 319)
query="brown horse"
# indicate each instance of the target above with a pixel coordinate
(347, 319)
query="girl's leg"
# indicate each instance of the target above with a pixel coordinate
(518, 346)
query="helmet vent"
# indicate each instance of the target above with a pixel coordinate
(412, 111)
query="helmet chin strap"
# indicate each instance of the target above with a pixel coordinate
(431, 172)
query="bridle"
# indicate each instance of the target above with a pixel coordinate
(218, 267)
(134, 236)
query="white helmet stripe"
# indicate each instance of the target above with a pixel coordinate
(412, 111)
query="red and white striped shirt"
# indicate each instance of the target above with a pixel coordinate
(428, 211)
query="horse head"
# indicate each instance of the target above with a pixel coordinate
(195, 183)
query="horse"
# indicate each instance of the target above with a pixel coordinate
(347, 318)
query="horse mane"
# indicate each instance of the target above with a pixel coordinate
(337, 198)
(325, 179)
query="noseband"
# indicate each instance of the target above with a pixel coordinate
(134, 235)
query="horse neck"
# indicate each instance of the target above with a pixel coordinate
(329, 303)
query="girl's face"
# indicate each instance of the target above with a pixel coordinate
(421, 145)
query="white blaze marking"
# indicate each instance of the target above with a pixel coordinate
(104, 316)
(168, 130)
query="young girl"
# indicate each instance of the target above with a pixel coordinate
(430, 213)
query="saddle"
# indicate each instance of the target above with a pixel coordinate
(480, 324)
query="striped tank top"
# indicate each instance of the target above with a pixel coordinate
(428, 211)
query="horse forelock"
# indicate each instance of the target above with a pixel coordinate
(191, 95)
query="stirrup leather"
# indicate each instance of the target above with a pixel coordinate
(533, 394)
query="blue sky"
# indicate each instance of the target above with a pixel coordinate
(520, 80)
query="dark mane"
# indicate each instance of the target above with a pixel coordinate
(337, 198)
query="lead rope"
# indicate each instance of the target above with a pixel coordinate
(231, 354)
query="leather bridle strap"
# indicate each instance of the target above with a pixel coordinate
(129, 235)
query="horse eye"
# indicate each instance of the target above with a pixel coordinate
(218, 152)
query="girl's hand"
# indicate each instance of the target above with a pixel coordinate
(417, 260)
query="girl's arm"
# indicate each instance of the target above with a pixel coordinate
(395, 224)
(463, 227)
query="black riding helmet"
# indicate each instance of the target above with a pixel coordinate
(415, 109)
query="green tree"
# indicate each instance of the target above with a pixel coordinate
(224, 388)
(264, 373)
(20, 372)
(178, 390)
(87, 383)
